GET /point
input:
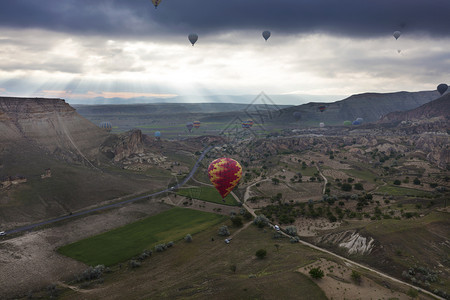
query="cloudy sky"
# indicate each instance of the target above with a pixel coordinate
(85, 49)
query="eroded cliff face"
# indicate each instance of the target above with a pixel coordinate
(51, 124)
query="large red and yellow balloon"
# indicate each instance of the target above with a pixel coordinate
(224, 174)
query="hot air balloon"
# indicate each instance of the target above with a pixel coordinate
(157, 135)
(224, 173)
(189, 126)
(245, 125)
(322, 125)
(347, 123)
(356, 122)
(196, 124)
(250, 123)
(106, 125)
(442, 88)
(156, 2)
(360, 120)
(193, 37)
(397, 34)
(322, 108)
(297, 115)
(266, 35)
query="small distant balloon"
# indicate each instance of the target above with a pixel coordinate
(398, 51)
(397, 34)
(322, 125)
(442, 88)
(189, 126)
(196, 124)
(193, 37)
(360, 120)
(245, 124)
(297, 115)
(156, 3)
(322, 108)
(106, 125)
(347, 123)
(157, 134)
(356, 122)
(266, 35)
(250, 123)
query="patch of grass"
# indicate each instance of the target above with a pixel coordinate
(125, 242)
(402, 191)
(361, 174)
(207, 193)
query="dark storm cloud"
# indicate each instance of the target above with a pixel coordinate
(359, 18)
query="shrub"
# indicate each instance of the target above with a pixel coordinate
(169, 244)
(291, 230)
(237, 221)
(397, 182)
(145, 254)
(134, 264)
(346, 187)
(416, 181)
(261, 221)
(233, 268)
(223, 231)
(316, 273)
(261, 253)
(356, 277)
(160, 248)
(188, 238)
(359, 186)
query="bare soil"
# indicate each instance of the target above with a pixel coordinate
(30, 261)
(337, 283)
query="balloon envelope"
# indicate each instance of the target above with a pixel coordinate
(442, 88)
(266, 35)
(224, 173)
(189, 125)
(322, 125)
(297, 115)
(356, 123)
(193, 37)
(397, 34)
(106, 125)
(157, 134)
(156, 2)
(346, 123)
(359, 120)
(196, 124)
(322, 108)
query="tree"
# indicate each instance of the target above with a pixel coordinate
(316, 273)
(277, 246)
(233, 268)
(237, 221)
(397, 182)
(347, 187)
(275, 181)
(356, 277)
(261, 253)
(223, 231)
(358, 186)
(416, 181)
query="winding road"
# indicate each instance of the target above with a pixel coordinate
(85, 212)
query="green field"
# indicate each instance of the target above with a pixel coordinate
(207, 193)
(125, 242)
(401, 191)
(361, 174)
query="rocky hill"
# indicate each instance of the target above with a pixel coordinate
(49, 124)
(439, 108)
(369, 106)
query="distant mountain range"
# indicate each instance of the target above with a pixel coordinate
(369, 106)
(288, 99)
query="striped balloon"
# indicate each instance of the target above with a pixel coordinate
(224, 173)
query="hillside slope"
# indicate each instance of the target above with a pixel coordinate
(369, 106)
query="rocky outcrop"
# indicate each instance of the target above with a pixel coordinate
(350, 240)
(50, 124)
(130, 143)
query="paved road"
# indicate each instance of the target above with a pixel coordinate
(85, 212)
